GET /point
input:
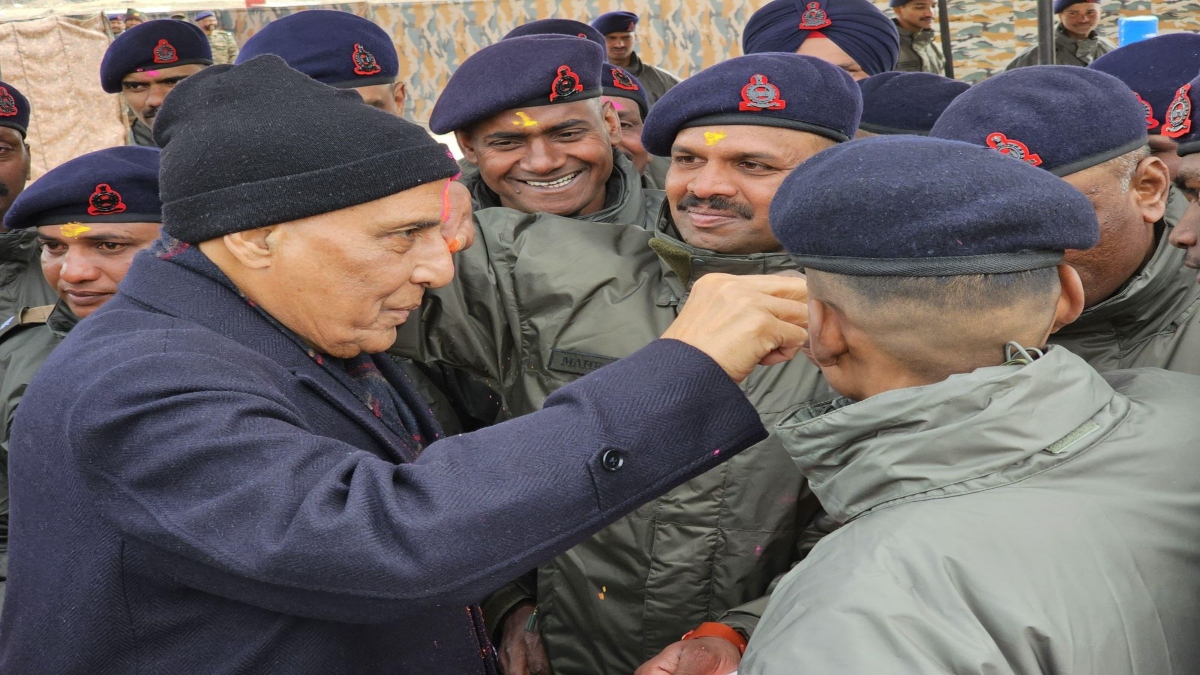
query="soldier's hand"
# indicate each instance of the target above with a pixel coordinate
(701, 656)
(744, 321)
(458, 225)
(521, 652)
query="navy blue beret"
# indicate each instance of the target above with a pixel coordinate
(1154, 69)
(1062, 118)
(857, 26)
(954, 209)
(1061, 6)
(616, 22)
(553, 69)
(204, 15)
(558, 27)
(154, 45)
(906, 103)
(1181, 119)
(616, 81)
(337, 48)
(14, 109)
(114, 185)
(774, 90)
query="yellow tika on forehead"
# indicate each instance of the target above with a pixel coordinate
(74, 229)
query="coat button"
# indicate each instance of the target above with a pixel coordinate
(612, 460)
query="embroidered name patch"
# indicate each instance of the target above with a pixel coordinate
(577, 363)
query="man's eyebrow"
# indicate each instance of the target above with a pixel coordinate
(682, 150)
(566, 125)
(417, 225)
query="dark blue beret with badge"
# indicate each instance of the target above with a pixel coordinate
(857, 26)
(616, 22)
(552, 69)
(1155, 69)
(906, 103)
(1061, 118)
(773, 90)
(557, 27)
(14, 109)
(114, 185)
(1182, 119)
(337, 48)
(154, 45)
(1061, 6)
(955, 209)
(616, 81)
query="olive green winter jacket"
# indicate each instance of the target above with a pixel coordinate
(1017, 520)
(21, 280)
(540, 301)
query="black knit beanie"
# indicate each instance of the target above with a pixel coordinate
(259, 143)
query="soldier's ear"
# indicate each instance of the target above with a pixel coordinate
(467, 145)
(611, 121)
(1150, 184)
(1070, 301)
(400, 94)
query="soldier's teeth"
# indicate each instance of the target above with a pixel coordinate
(553, 184)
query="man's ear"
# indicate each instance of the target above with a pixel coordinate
(826, 334)
(466, 144)
(1149, 186)
(400, 95)
(1070, 300)
(252, 248)
(612, 122)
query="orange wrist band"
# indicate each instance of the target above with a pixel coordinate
(718, 630)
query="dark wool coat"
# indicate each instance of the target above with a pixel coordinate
(192, 493)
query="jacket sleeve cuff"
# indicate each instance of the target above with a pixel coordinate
(499, 604)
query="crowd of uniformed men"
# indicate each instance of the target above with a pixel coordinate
(804, 363)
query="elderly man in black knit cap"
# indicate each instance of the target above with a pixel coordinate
(218, 468)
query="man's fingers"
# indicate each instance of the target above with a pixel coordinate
(535, 655)
(792, 288)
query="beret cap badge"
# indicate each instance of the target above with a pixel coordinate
(1150, 121)
(8, 104)
(1179, 115)
(165, 52)
(814, 18)
(364, 61)
(105, 201)
(566, 84)
(759, 94)
(623, 81)
(1013, 148)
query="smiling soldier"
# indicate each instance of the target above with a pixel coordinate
(542, 138)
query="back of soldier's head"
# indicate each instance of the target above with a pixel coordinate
(919, 274)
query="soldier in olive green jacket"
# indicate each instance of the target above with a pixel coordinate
(1076, 42)
(540, 300)
(918, 50)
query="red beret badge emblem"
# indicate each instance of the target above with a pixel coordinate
(761, 95)
(364, 61)
(1179, 115)
(566, 84)
(105, 201)
(1013, 148)
(632, 26)
(165, 52)
(1150, 121)
(8, 104)
(623, 81)
(814, 18)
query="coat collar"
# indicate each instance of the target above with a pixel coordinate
(1147, 303)
(683, 263)
(173, 290)
(986, 428)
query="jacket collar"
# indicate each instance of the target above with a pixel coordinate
(1148, 302)
(635, 64)
(683, 263)
(61, 319)
(1061, 37)
(624, 200)
(173, 290)
(919, 35)
(980, 429)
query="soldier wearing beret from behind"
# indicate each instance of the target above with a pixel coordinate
(1140, 301)
(1076, 42)
(529, 320)
(620, 35)
(905, 103)
(90, 215)
(1004, 507)
(21, 280)
(145, 62)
